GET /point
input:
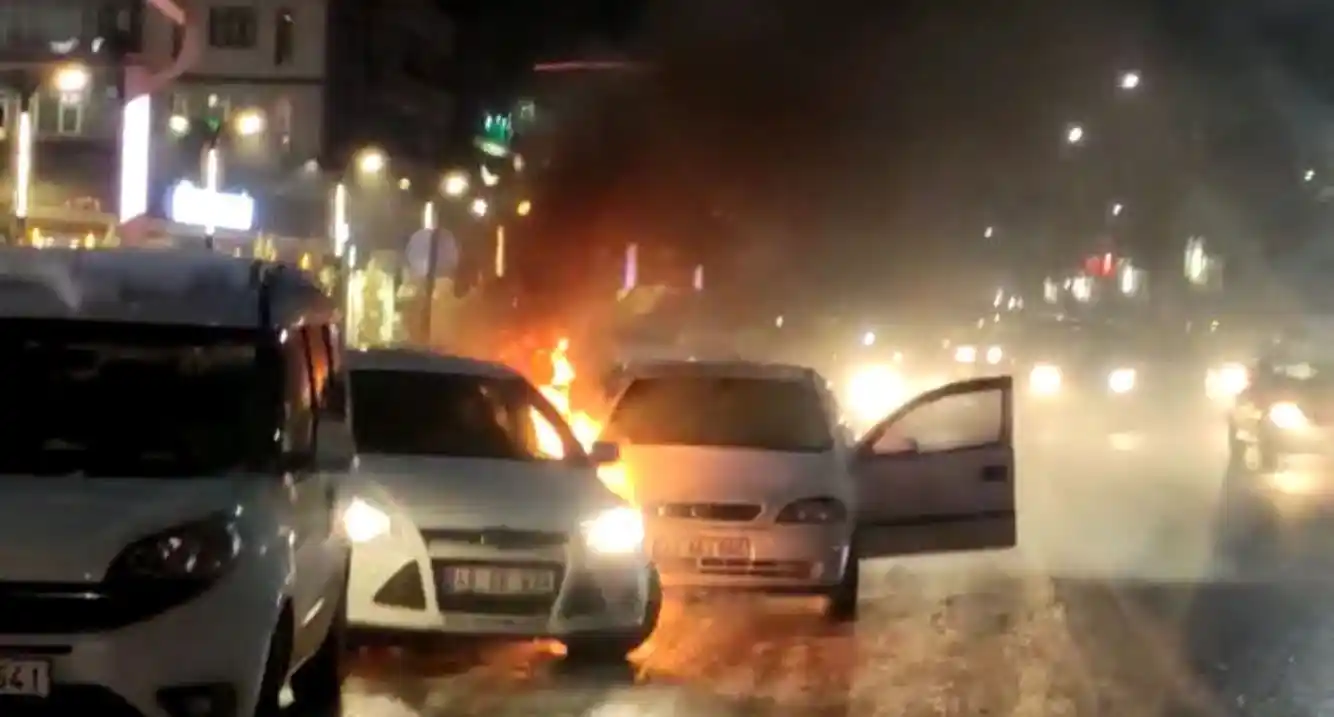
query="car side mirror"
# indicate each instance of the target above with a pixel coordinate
(604, 452)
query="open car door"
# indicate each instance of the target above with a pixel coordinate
(938, 474)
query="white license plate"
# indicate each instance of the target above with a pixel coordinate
(695, 548)
(27, 678)
(499, 581)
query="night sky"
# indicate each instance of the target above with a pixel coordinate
(900, 130)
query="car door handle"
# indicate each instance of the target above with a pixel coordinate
(995, 474)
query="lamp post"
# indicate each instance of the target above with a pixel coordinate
(454, 187)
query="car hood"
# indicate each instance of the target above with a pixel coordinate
(707, 474)
(70, 529)
(472, 493)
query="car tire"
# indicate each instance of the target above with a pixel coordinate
(317, 686)
(841, 601)
(601, 648)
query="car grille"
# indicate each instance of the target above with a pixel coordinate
(721, 512)
(795, 569)
(74, 608)
(515, 605)
(498, 538)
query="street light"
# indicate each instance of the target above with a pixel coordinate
(990, 232)
(455, 184)
(524, 209)
(479, 207)
(71, 79)
(1129, 80)
(1117, 208)
(1309, 176)
(371, 161)
(1074, 134)
(250, 123)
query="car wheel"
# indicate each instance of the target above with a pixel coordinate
(317, 686)
(616, 647)
(842, 599)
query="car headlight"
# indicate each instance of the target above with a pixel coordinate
(814, 510)
(618, 531)
(1045, 379)
(1287, 415)
(965, 354)
(363, 522)
(994, 355)
(1122, 380)
(195, 553)
(874, 391)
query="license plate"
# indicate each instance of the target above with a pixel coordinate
(27, 678)
(498, 581)
(695, 548)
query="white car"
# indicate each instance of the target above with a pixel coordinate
(749, 482)
(478, 513)
(172, 436)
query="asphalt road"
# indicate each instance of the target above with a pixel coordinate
(1117, 603)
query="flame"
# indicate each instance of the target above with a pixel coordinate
(584, 427)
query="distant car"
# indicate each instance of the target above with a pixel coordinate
(1285, 413)
(476, 512)
(174, 433)
(748, 481)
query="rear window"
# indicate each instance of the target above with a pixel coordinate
(764, 414)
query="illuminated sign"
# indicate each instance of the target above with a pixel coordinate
(190, 204)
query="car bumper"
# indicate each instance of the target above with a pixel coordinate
(215, 644)
(396, 588)
(797, 559)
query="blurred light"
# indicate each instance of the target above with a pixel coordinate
(965, 354)
(1045, 379)
(71, 79)
(404, 183)
(1117, 208)
(342, 231)
(990, 231)
(697, 281)
(489, 178)
(1074, 134)
(428, 216)
(189, 204)
(778, 322)
(874, 391)
(455, 184)
(1129, 80)
(518, 163)
(524, 209)
(1225, 382)
(371, 161)
(1287, 416)
(868, 338)
(1309, 176)
(479, 207)
(23, 165)
(994, 355)
(178, 124)
(1122, 380)
(249, 123)
(136, 136)
(630, 277)
(500, 252)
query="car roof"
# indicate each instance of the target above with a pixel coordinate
(155, 286)
(719, 369)
(420, 361)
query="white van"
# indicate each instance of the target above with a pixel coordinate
(173, 425)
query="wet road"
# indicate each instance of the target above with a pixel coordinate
(1116, 604)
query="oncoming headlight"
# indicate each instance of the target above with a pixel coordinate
(1287, 415)
(965, 354)
(874, 391)
(363, 522)
(1227, 381)
(1122, 380)
(618, 531)
(994, 355)
(1045, 379)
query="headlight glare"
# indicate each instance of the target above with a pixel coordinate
(965, 354)
(1122, 380)
(618, 531)
(1287, 415)
(1045, 379)
(363, 522)
(994, 355)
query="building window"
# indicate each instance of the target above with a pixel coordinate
(232, 27)
(55, 116)
(69, 119)
(284, 36)
(282, 123)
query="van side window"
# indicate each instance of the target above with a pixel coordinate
(299, 429)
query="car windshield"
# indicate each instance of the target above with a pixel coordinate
(450, 415)
(762, 413)
(125, 399)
